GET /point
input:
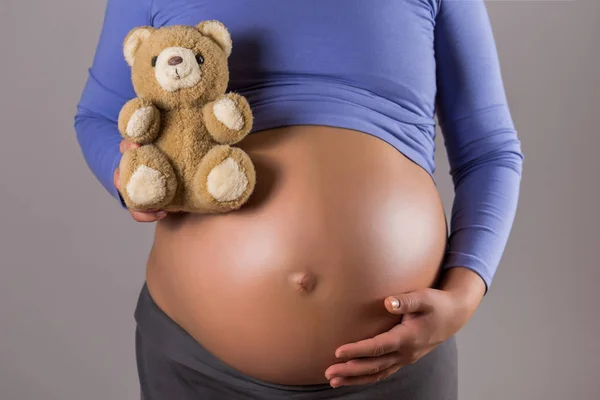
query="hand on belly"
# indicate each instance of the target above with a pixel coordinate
(430, 316)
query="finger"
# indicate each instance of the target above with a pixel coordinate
(365, 379)
(117, 179)
(140, 216)
(377, 346)
(126, 145)
(407, 303)
(362, 366)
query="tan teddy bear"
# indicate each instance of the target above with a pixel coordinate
(185, 122)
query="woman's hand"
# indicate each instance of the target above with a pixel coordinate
(140, 216)
(430, 316)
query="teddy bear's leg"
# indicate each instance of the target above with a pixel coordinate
(228, 119)
(224, 180)
(148, 180)
(139, 121)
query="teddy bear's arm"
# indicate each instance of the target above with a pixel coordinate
(139, 121)
(228, 119)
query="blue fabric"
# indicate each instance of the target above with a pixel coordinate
(386, 68)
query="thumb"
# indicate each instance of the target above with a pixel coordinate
(117, 179)
(408, 303)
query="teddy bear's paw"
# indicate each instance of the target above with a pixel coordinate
(227, 181)
(146, 186)
(227, 112)
(140, 122)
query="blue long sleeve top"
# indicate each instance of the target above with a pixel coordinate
(385, 68)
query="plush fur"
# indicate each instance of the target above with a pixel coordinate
(185, 122)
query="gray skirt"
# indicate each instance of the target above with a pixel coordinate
(174, 366)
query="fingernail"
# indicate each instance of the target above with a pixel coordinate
(339, 354)
(161, 214)
(335, 383)
(395, 303)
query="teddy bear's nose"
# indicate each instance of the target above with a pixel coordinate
(175, 60)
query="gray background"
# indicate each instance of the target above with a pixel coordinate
(72, 263)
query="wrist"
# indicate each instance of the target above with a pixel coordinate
(466, 287)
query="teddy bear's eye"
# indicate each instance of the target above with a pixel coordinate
(154, 61)
(200, 59)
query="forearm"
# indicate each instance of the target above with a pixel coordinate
(483, 213)
(99, 141)
(485, 203)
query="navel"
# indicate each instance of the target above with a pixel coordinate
(303, 282)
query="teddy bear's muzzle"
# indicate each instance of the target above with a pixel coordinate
(177, 68)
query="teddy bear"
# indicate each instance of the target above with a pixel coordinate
(184, 121)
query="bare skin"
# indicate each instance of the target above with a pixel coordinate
(303, 278)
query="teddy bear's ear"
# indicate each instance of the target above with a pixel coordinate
(217, 32)
(133, 41)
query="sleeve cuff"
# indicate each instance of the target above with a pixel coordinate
(475, 264)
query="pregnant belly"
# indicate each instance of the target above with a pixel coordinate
(339, 221)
